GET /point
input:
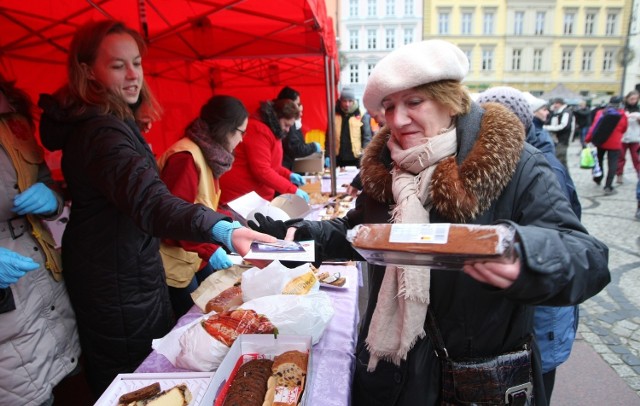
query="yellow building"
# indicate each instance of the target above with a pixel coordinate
(536, 46)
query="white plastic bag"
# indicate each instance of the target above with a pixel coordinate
(199, 351)
(276, 279)
(296, 314)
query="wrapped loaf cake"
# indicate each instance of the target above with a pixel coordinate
(436, 245)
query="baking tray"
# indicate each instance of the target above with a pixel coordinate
(197, 382)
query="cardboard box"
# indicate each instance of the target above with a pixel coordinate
(199, 384)
(313, 163)
(251, 346)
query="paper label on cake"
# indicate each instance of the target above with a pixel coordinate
(287, 395)
(420, 233)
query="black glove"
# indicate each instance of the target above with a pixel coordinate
(267, 225)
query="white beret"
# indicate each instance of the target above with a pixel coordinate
(535, 103)
(413, 65)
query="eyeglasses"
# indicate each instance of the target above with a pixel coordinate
(242, 132)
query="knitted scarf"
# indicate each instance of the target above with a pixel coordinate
(398, 320)
(217, 157)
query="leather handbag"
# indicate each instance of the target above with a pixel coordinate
(505, 379)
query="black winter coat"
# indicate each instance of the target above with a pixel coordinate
(110, 248)
(494, 177)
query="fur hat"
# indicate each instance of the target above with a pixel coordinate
(347, 93)
(511, 98)
(414, 65)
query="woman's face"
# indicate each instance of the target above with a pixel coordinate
(236, 135)
(412, 117)
(632, 99)
(118, 66)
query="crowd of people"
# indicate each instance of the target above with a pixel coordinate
(145, 231)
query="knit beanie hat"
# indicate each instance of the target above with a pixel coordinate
(347, 94)
(510, 98)
(413, 65)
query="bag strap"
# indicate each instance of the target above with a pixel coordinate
(434, 335)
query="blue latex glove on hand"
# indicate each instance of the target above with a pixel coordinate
(38, 199)
(318, 146)
(296, 179)
(303, 195)
(327, 162)
(219, 259)
(13, 266)
(222, 231)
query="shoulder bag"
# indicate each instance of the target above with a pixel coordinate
(505, 379)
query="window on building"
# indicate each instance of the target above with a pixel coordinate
(408, 8)
(487, 60)
(607, 61)
(391, 7)
(372, 6)
(468, 53)
(587, 61)
(353, 39)
(391, 38)
(537, 59)
(372, 37)
(443, 23)
(569, 19)
(408, 35)
(518, 22)
(353, 73)
(612, 22)
(353, 8)
(589, 23)
(370, 67)
(540, 15)
(567, 57)
(516, 59)
(467, 23)
(487, 26)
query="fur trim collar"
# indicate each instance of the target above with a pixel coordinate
(461, 187)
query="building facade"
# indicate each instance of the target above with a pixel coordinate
(370, 29)
(531, 46)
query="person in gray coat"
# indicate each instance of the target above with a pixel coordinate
(39, 343)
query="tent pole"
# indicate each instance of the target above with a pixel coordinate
(329, 70)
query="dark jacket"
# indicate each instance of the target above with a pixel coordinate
(561, 263)
(111, 259)
(294, 146)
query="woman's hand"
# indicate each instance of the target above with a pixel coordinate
(243, 237)
(498, 274)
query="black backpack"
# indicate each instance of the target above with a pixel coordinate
(605, 125)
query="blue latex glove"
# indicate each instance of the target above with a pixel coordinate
(222, 231)
(327, 162)
(296, 179)
(13, 266)
(318, 146)
(219, 259)
(303, 195)
(38, 199)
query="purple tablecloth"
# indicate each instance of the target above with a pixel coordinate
(333, 356)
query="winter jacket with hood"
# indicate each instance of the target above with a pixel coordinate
(120, 208)
(494, 177)
(38, 338)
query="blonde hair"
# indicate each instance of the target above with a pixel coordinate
(449, 93)
(81, 91)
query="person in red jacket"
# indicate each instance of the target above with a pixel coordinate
(191, 169)
(611, 147)
(258, 160)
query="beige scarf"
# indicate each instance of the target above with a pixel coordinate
(398, 320)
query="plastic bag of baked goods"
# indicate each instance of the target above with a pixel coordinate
(276, 279)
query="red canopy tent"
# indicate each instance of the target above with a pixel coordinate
(197, 48)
